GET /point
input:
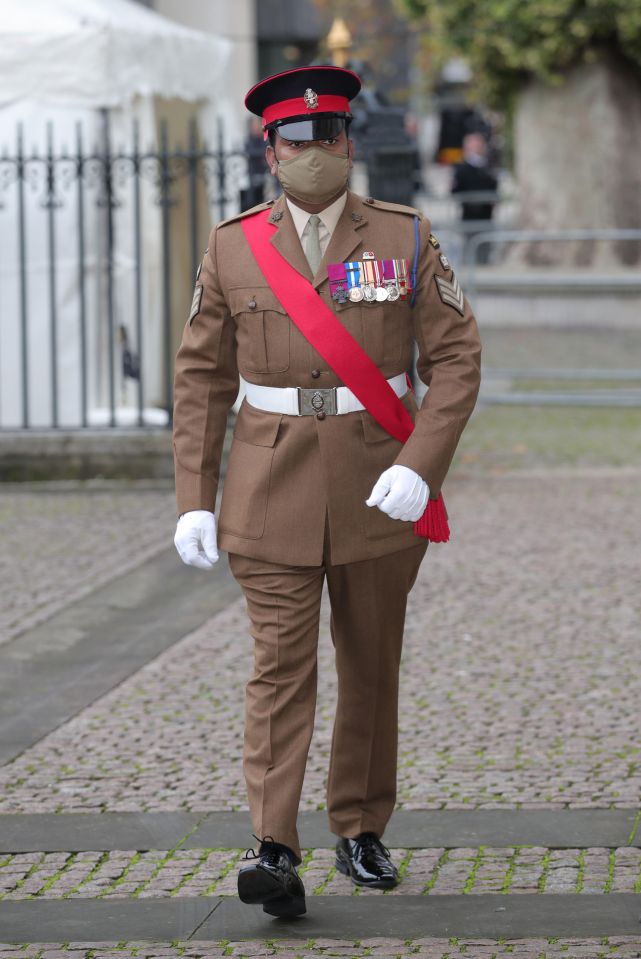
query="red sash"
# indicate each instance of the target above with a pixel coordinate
(322, 328)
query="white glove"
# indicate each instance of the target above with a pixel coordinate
(195, 538)
(401, 493)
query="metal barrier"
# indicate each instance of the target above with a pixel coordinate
(489, 237)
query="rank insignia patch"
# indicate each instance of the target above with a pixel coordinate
(434, 242)
(445, 263)
(195, 303)
(451, 293)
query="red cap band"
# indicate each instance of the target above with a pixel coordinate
(327, 103)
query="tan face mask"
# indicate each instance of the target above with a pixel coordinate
(315, 175)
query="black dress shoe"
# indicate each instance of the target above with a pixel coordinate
(367, 861)
(271, 879)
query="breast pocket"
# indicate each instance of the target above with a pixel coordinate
(383, 329)
(262, 330)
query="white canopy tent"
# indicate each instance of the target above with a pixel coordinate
(101, 53)
(70, 63)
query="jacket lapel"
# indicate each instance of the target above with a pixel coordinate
(286, 238)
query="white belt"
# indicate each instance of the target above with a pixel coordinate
(296, 401)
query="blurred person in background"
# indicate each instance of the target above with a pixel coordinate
(254, 192)
(474, 176)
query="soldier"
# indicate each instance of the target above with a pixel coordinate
(315, 300)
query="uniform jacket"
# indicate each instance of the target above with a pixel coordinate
(286, 474)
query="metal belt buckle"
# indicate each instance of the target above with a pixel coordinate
(311, 402)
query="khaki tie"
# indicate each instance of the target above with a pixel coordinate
(312, 244)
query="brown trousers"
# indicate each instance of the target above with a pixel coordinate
(368, 601)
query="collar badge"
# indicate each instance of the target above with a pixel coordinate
(311, 99)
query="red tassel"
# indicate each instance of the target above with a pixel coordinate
(433, 523)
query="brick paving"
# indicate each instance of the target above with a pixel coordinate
(520, 689)
(429, 872)
(519, 685)
(612, 947)
(58, 546)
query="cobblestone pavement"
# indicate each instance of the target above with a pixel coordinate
(612, 947)
(519, 689)
(520, 685)
(59, 546)
(206, 872)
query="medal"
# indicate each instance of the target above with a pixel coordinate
(340, 294)
(400, 267)
(381, 291)
(369, 290)
(338, 281)
(355, 292)
(389, 277)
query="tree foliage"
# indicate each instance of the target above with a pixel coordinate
(509, 41)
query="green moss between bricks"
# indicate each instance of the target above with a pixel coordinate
(635, 826)
(119, 880)
(442, 859)
(611, 865)
(90, 875)
(224, 872)
(190, 875)
(30, 872)
(580, 875)
(71, 858)
(544, 871)
(509, 874)
(478, 859)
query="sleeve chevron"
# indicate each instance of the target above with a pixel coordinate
(451, 293)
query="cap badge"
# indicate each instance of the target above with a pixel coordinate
(311, 99)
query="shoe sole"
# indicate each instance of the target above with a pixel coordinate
(256, 887)
(288, 907)
(377, 884)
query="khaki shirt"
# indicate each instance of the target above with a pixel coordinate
(286, 474)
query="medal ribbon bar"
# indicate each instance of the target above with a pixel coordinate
(337, 274)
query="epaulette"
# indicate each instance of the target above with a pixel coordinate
(392, 207)
(244, 213)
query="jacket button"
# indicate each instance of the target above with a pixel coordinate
(252, 304)
(320, 416)
(315, 374)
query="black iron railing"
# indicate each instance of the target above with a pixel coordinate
(76, 216)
